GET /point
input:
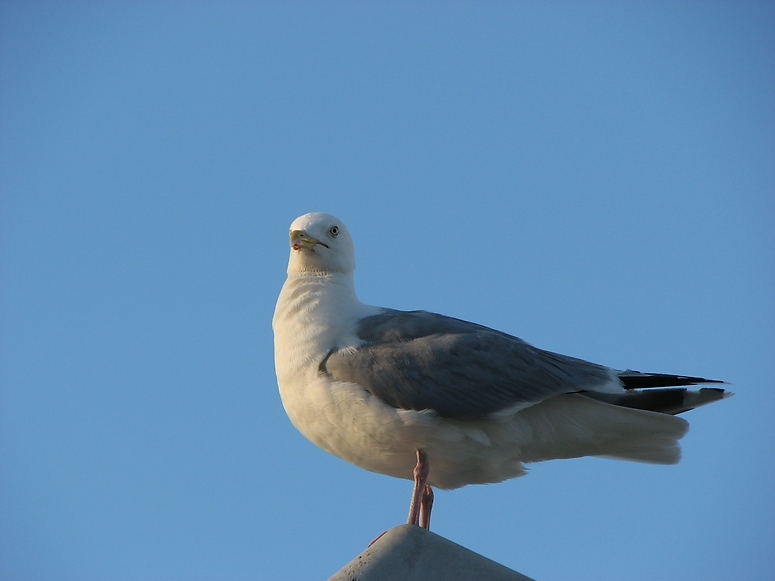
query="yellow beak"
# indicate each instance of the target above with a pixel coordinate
(300, 239)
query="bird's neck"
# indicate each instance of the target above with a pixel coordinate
(315, 312)
(316, 297)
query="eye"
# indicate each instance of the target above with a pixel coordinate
(334, 231)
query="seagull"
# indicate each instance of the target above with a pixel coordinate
(444, 402)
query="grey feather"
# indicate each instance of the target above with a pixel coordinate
(419, 360)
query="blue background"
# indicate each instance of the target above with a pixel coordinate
(596, 178)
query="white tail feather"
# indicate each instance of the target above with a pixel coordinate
(572, 426)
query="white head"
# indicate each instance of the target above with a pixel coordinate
(320, 243)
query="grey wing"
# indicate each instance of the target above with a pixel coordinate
(418, 360)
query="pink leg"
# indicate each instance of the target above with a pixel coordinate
(426, 504)
(421, 471)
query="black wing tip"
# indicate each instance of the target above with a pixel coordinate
(671, 400)
(716, 393)
(637, 380)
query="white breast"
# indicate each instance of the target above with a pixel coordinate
(315, 313)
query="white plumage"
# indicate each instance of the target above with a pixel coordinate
(373, 386)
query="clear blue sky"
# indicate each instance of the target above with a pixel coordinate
(596, 178)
